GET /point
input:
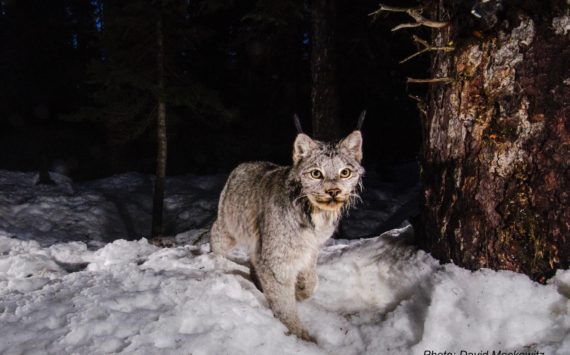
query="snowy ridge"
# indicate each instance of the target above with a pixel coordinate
(376, 296)
(103, 210)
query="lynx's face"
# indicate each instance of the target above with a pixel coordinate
(330, 173)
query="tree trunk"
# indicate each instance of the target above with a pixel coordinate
(497, 145)
(324, 94)
(158, 201)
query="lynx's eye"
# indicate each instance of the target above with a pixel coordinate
(316, 174)
(345, 173)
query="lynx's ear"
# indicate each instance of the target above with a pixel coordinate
(353, 144)
(302, 146)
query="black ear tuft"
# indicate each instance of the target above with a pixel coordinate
(297, 123)
(360, 120)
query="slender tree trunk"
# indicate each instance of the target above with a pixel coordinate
(158, 201)
(44, 177)
(497, 146)
(324, 94)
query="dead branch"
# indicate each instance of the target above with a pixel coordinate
(427, 48)
(420, 103)
(444, 80)
(413, 12)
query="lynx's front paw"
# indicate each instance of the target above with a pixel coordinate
(305, 285)
(303, 335)
(302, 293)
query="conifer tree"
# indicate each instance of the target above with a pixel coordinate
(141, 78)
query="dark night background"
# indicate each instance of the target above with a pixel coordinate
(77, 84)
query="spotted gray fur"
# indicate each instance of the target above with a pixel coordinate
(284, 214)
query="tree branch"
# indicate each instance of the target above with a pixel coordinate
(413, 12)
(427, 48)
(444, 80)
(420, 103)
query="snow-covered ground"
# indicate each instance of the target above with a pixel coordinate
(103, 210)
(67, 288)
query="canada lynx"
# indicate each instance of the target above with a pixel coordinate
(284, 214)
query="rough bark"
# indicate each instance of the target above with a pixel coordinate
(497, 146)
(158, 200)
(324, 93)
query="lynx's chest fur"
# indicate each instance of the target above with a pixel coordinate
(284, 214)
(325, 223)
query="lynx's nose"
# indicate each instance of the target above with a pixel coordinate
(333, 192)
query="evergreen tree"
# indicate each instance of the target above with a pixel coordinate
(36, 47)
(141, 77)
(41, 72)
(324, 94)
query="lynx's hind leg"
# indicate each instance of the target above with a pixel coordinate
(221, 242)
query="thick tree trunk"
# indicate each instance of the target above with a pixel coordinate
(324, 94)
(497, 146)
(158, 201)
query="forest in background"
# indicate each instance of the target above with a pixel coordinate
(78, 87)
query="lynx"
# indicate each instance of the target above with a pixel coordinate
(284, 214)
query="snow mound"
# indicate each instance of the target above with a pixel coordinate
(100, 211)
(376, 296)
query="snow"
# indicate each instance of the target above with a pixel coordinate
(62, 293)
(103, 210)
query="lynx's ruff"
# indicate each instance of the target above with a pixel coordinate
(284, 214)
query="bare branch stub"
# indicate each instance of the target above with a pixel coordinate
(413, 12)
(420, 103)
(444, 80)
(427, 48)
